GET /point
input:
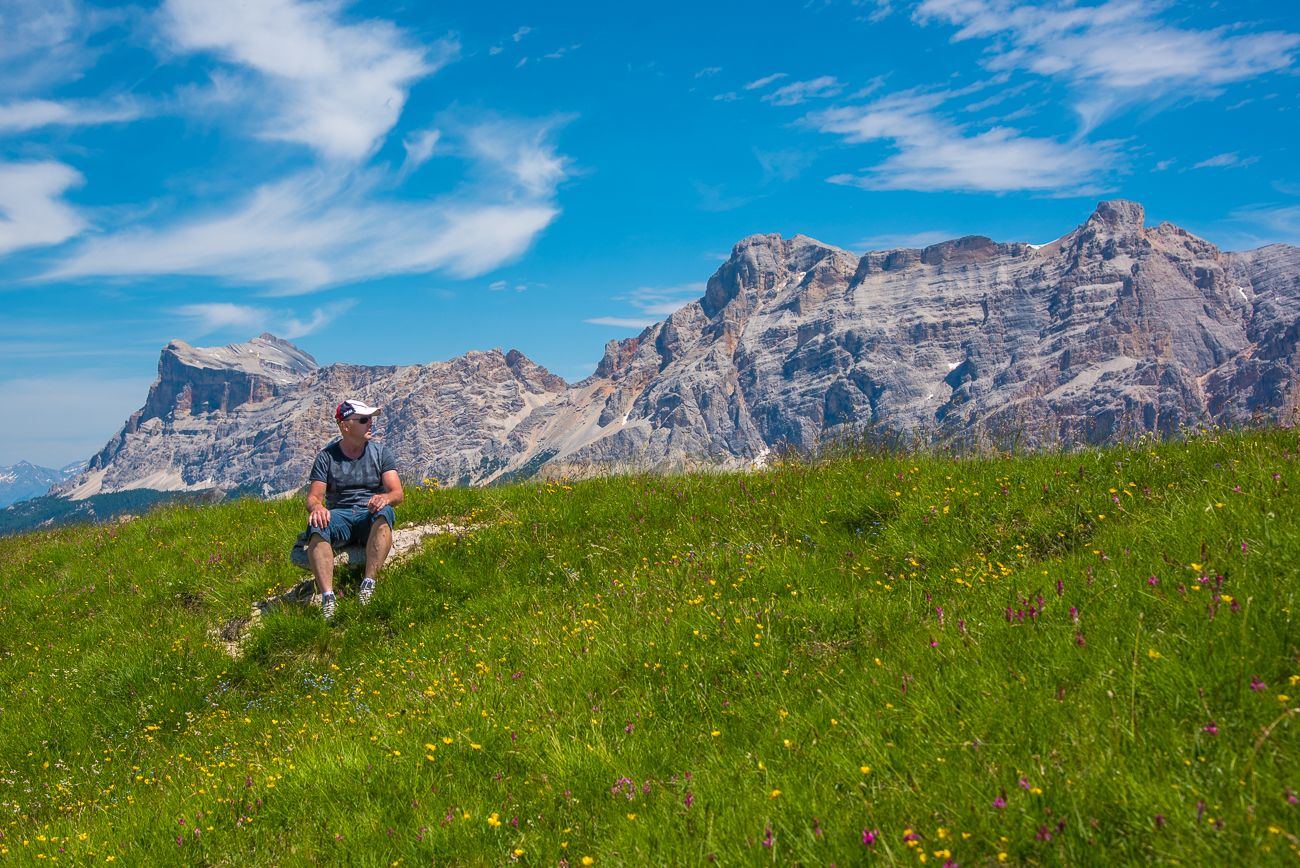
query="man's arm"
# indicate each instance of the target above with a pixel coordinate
(392, 492)
(320, 516)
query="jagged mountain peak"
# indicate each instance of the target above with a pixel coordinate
(1113, 327)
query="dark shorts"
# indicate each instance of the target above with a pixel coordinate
(352, 526)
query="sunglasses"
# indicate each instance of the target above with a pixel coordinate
(362, 420)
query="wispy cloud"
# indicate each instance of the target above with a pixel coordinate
(730, 96)
(337, 88)
(708, 70)
(521, 33)
(893, 242)
(653, 304)
(419, 147)
(623, 322)
(1119, 50)
(318, 229)
(765, 80)
(934, 153)
(802, 91)
(45, 42)
(713, 197)
(884, 8)
(32, 206)
(783, 165)
(31, 114)
(250, 318)
(1233, 159)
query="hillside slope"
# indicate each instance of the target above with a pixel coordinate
(1084, 659)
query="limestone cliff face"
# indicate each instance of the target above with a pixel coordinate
(1113, 327)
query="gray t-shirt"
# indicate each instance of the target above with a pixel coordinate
(350, 482)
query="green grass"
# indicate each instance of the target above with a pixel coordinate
(1077, 659)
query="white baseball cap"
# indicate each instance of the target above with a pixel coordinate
(354, 408)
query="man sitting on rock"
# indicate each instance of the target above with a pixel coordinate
(357, 479)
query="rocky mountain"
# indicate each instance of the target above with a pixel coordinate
(24, 480)
(1113, 328)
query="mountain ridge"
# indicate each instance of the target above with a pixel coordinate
(1114, 326)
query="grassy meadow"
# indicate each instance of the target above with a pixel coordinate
(1055, 659)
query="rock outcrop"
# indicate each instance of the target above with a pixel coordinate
(1113, 328)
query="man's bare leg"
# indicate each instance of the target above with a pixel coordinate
(377, 547)
(320, 554)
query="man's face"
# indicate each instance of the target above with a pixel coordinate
(356, 429)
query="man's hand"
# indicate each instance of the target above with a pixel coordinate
(378, 502)
(319, 515)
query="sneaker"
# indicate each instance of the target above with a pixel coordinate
(367, 591)
(329, 604)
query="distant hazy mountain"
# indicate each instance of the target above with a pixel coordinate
(24, 480)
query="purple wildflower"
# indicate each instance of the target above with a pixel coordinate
(869, 836)
(1257, 685)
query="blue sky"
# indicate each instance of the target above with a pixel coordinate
(392, 184)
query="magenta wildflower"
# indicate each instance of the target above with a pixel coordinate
(1153, 581)
(689, 800)
(1160, 821)
(1078, 640)
(1074, 615)
(1060, 589)
(1024, 783)
(933, 642)
(1291, 797)
(1210, 728)
(999, 803)
(869, 836)
(767, 842)
(1257, 685)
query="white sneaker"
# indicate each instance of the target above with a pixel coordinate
(367, 591)
(329, 604)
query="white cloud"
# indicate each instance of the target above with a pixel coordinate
(726, 97)
(666, 300)
(521, 63)
(419, 147)
(32, 210)
(708, 70)
(882, 11)
(497, 285)
(913, 240)
(316, 229)
(520, 33)
(801, 91)
(1225, 160)
(622, 322)
(1121, 47)
(654, 304)
(334, 87)
(765, 80)
(933, 153)
(30, 114)
(496, 49)
(284, 323)
(783, 165)
(43, 42)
